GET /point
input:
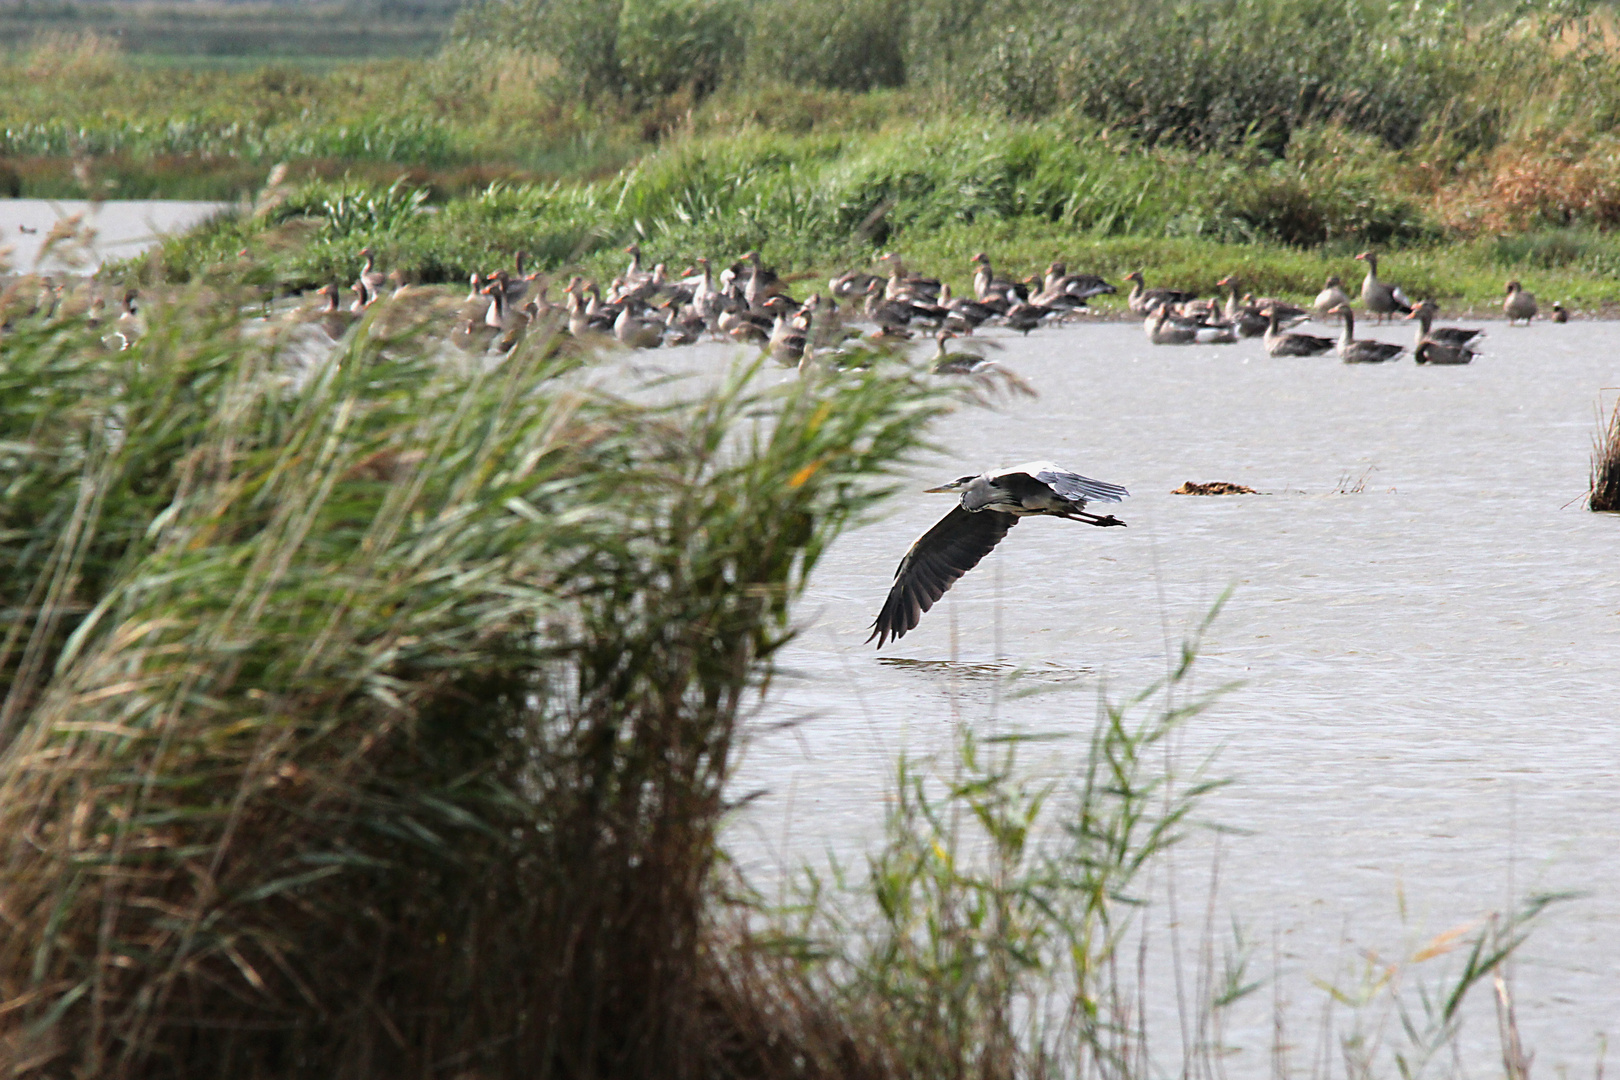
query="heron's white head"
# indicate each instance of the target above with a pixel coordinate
(959, 484)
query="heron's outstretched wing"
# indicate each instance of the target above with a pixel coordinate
(943, 554)
(1074, 486)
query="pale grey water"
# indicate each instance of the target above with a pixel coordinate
(1430, 664)
(121, 227)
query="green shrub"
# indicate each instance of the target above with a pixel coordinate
(669, 45)
(855, 45)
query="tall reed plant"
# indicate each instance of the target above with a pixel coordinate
(1605, 485)
(368, 716)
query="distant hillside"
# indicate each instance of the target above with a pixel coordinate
(223, 31)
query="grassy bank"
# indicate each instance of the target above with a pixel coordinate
(1476, 143)
(1027, 192)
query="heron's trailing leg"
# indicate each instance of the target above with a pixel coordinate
(1092, 519)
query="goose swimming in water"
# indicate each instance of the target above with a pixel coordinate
(1143, 300)
(1291, 344)
(1452, 337)
(990, 504)
(1365, 351)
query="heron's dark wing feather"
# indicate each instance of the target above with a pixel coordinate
(944, 553)
(1074, 486)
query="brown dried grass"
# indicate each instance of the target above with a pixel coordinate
(1605, 484)
(1544, 181)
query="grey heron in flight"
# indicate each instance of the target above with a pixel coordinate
(991, 503)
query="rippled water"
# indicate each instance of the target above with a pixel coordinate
(1425, 619)
(121, 227)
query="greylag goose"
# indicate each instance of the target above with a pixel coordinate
(1433, 352)
(945, 362)
(1331, 296)
(968, 313)
(1080, 286)
(899, 312)
(584, 317)
(1068, 303)
(1162, 329)
(1144, 300)
(1292, 344)
(1352, 351)
(789, 335)
(636, 332)
(1024, 316)
(760, 282)
(902, 285)
(989, 287)
(1248, 315)
(506, 326)
(745, 326)
(1559, 315)
(1460, 337)
(634, 274)
(330, 316)
(1520, 306)
(370, 276)
(1381, 298)
(851, 284)
(683, 323)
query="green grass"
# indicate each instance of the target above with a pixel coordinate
(819, 203)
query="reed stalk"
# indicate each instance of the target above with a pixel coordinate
(371, 720)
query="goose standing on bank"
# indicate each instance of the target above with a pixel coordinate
(1249, 314)
(1520, 306)
(990, 504)
(1144, 300)
(1331, 296)
(1381, 298)
(1291, 344)
(1081, 286)
(1352, 351)
(372, 278)
(991, 288)
(851, 285)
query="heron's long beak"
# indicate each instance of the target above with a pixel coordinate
(946, 489)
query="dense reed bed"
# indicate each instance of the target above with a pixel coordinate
(374, 715)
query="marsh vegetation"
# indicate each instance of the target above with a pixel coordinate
(1476, 141)
(374, 713)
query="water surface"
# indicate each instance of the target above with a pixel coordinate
(118, 228)
(1425, 620)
